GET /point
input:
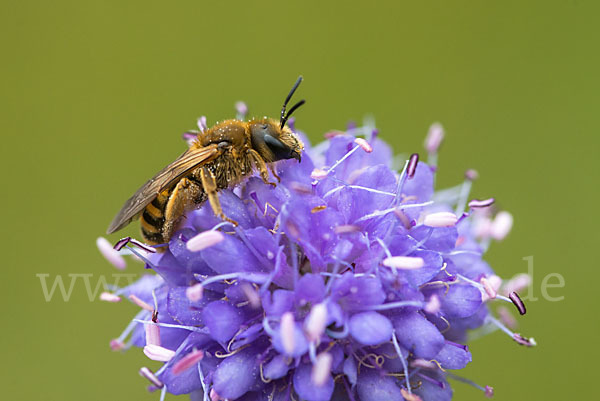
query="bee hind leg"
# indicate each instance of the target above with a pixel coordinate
(210, 188)
(183, 196)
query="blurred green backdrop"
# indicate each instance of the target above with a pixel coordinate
(95, 96)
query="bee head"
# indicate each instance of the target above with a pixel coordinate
(273, 140)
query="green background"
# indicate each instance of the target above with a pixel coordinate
(95, 96)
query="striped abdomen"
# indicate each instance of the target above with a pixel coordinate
(152, 218)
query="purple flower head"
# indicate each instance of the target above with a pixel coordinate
(347, 281)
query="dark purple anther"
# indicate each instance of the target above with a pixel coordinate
(128, 240)
(476, 203)
(514, 297)
(412, 165)
(121, 243)
(374, 134)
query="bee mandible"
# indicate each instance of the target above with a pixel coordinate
(218, 158)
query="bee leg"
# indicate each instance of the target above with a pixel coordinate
(183, 195)
(210, 188)
(274, 172)
(262, 167)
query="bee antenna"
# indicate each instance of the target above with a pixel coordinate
(289, 113)
(283, 117)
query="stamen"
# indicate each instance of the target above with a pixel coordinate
(301, 188)
(413, 161)
(116, 345)
(408, 396)
(433, 305)
(440, 219)
(514, 297)
(434, 138)
(332, 134)
(346, 229)
(316, 321)
(337, 163)
(476, 203)
(204, 240)
(113, 256)
(338, 335)
(128, 240)
(109, 297)
(158, 353)
(489, 391)
(471, 174)
(404, 364)
(364, 145)
(528, 342)
(147, 373)
(318, 174)
(152, 334)
(404, 262)
(322, 369)
(202, 123)
(187, 361)
(287, 329)
(140, 303)
(242, 109)
(406, 222)
(482, 289)
(251, 295)
(203, 382)
(489, 289)
(423, 363)
(393, 305)
(501, 225)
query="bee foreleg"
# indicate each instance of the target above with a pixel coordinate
(262, 167)
(182, 196)
(209, 183)
(274, 172)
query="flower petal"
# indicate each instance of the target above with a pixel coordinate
(418, 335)
(237, 374)
(370, 328)
(222, 319)
(373, 386)
(305, 387)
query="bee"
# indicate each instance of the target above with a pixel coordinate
(218, 158)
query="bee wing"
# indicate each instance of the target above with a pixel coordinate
(165, 177)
